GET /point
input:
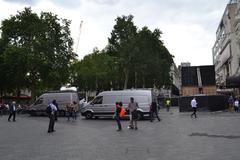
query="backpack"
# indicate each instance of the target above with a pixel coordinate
(49, 109)
(122, 113)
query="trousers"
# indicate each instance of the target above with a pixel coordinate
(51, 123)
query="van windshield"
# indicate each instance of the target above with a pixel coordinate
(97, 100)
(39, 101)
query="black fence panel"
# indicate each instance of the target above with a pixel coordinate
(216, 103)
(205, 103)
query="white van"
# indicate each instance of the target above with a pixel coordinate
(63, 99)
(103, 105)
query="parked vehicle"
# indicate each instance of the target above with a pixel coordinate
(103, 105)
(63, 99)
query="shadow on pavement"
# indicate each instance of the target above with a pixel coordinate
(214, 136)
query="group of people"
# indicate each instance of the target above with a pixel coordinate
(52, 109)
(133, 113)
(11, 108)
(233, 104)
(72, 110)
(132, 108)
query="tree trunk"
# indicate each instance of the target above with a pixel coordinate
(33, 92)
(143, 80)
(135, 79)
(126, 72)
(96, 83)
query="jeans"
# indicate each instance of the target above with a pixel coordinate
(118, 122)
(194, 112)
(51, 123)
(13, 113)
(74, 115)
(70, 114)
(152, 115)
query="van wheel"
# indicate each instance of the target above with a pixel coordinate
(139, 115)
(88, 115)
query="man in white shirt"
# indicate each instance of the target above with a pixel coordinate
(194, 107)
(132, 108)
(236, 105)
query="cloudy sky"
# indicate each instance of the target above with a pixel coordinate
(188, 26)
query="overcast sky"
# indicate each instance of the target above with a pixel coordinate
(188, 26)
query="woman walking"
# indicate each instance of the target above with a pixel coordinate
(117, 115)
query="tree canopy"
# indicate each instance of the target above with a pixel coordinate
(133, 58)
(36, 51)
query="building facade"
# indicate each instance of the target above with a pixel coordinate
(175, 76)
(226, 49)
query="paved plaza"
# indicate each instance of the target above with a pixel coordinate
(176, 137)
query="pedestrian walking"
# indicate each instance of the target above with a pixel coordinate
(51, 109)
(168, 104)
(117, 115)
(236, 105)
(75, 109)
(56, 111)
(12, 110)
(69, 110)
(194, 107)
(230, 103)
(154, 111)
(132, 108)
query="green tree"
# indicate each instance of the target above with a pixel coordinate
(152, 59)
(95, 72)
(141, 54)
(38, 48)
(122, 44)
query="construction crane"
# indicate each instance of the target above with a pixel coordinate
(79, 35)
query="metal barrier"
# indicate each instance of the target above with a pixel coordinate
(205, 103)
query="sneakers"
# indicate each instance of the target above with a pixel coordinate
(130, 127)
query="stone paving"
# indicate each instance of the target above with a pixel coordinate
(176, 137)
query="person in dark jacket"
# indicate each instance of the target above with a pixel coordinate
(117, 113)
(12, 109)
(154, 111)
